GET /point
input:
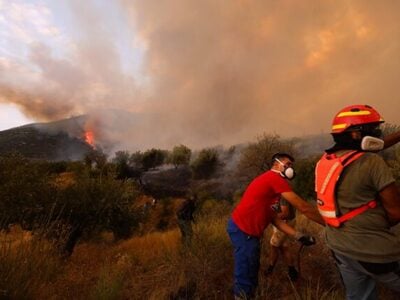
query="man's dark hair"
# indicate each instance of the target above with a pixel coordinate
(279, 156)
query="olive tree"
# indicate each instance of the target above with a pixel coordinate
(153, 158)
(256, 157)
(206, 164)
(180, 155)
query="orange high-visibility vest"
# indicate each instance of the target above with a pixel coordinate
(327, 174)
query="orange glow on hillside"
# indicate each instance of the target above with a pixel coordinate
(89, 138)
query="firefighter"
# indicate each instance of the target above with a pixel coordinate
(255, 211)
(359, 201)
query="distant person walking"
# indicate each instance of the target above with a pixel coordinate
(255, 212)
(360, 202)
(185, 219)
(281, 243)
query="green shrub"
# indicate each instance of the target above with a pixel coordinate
(180, 155)
(256, 157)
(304, 183)
(206, 164)
(153, 158)
(73, 205)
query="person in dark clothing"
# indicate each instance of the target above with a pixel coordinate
(185, 219)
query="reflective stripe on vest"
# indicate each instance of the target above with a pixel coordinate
(327, 174)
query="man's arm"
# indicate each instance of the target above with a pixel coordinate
(284, 213)
(283, 226)
(390, 199)
(306, 240)
(391, 139)
(305, 208)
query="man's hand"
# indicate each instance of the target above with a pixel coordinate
(305, 240)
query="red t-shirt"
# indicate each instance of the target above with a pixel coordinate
(254, 213)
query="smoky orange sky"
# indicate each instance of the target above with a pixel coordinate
(214, 71)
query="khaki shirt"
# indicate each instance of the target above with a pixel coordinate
(368, 236)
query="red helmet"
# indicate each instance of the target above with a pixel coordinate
(355, 115)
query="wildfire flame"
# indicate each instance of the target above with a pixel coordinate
(89, 138)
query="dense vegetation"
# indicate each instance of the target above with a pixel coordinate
(98, 209)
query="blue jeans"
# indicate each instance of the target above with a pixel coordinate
(247, 260)
(360, 278)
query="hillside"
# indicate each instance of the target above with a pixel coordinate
(67, 139)
(60, 140)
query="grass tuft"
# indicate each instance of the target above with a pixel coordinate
(27, 264)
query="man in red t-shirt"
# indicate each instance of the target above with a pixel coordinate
(255, 212)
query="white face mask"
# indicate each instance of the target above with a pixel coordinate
(370, 143)
(288, 172)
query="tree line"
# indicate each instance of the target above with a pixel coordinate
(71, 200)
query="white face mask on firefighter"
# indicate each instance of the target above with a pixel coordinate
(370, 143)
(288, 172)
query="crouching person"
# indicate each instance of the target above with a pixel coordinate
(281, 243)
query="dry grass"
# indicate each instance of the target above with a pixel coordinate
(27, 264)
(157, 266)
(318, 276)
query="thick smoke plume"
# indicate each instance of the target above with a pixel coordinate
(219, 71)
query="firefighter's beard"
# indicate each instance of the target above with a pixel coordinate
(370, 140)
(345, 141)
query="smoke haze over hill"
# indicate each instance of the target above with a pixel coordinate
(201, 72)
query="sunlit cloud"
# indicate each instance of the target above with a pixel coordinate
(201, 72)
(23, 23)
